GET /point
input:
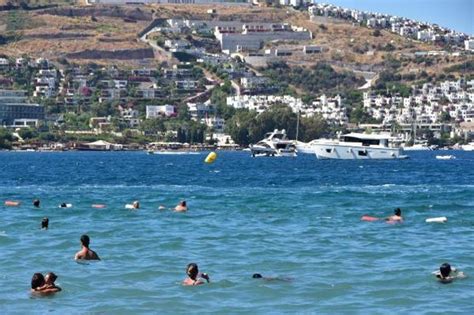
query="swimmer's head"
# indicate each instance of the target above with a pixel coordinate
(136, 204)
(85, 241)
(45, 223)
(445, 270)
(183, 203)
(398, 212)
(63, 205)
(50, 277)
(37, 280)
(257, 276)
(36, 203)
(192, 271)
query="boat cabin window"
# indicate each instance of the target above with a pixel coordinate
(328, 150)
(362, 153)
(365, 142)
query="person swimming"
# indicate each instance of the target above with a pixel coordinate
(446, 274)
(396, 217)
(136, 205)
(86, 253)
(37, 282)
(40, 286)
(194, 277)
(259, 276)
(36, 203)
(45, 223)
(49, 283)
(63, 205)
(181, 207)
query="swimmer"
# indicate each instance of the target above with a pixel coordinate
(49, 283)
(446, 274)
(36, 203)
(259, 276)
(136, 205)
(396, 217)
(38, 285)
(37, 282)
(181, 207)
(194, 277)
(86, 253)
(63, 205)
(45, 223)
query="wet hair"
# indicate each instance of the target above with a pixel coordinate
(136, 204)
(52, 275)
(445, 269)
(257, 276)
(36, 203)
(37, 280)
(398, 212)
(192, 270)
(183, 203)
(63, 205)
(45, 223)
(85, 240)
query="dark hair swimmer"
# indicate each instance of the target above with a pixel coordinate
(398, 212)
(445, 270)
(257, 276)
(37, 281)
(194, 277)
(45, 223)
(85, 240)
(36, 203)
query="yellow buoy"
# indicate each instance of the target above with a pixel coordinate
(211, 157)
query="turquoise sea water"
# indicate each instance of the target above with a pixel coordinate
(290, 217)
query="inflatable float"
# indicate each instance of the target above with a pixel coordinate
(211, 157)
(436, 220)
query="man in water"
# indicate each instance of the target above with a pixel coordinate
(181, 207)
(49, 283)
(397, 217)
(40, 286)
(86, 253)
(36, 203)
(446, 274)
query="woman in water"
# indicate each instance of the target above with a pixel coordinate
(396, 217)
(446, 274)
(194, 277)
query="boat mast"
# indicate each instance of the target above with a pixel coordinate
(297, 124)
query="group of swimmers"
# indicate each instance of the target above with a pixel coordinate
(46, 285)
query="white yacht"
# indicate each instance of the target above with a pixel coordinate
(274, 144)
(355, 146)
(468, 147)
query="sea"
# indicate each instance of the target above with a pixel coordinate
(294, 220)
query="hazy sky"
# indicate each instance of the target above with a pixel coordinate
(454, 14)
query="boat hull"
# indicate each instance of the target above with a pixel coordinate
(351, 152)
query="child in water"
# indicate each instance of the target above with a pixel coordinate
(446, 274)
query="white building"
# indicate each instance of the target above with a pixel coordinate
(157, 111)
(469, 44)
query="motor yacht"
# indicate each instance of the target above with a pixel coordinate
(275, 143)
(355, 146)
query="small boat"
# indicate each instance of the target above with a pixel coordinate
(275, 143)
(445, 157)
(358, 146)
(171, 152)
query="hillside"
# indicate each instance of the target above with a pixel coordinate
(55, 33)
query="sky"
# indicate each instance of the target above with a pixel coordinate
(454, 14)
